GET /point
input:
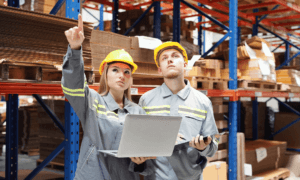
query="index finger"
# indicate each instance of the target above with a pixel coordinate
(80, 23)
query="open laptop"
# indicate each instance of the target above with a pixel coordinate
(147, 136)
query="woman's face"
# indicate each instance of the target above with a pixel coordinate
(119, 76)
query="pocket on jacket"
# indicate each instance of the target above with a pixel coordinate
(90, 157)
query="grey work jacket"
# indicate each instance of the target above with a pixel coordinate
(102, 122)
(186, 163)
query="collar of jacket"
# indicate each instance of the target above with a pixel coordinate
(113, 105)
(183, 93)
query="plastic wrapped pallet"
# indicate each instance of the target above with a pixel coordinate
(288, 76)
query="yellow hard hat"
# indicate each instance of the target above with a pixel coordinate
(119, 55)
(169, 44)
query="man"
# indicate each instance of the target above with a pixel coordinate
(176, 97)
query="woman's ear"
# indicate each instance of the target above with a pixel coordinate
(185, 64)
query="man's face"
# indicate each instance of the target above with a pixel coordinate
(171, 63)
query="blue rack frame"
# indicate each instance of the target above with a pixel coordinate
(71, 129)
(287, 44)
(72, 121)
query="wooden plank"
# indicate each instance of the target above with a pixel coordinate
(208, 83)
(280, 173)
(241, 156)
(257, 85)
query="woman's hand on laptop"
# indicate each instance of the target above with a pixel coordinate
(140, 160)
(199, 142)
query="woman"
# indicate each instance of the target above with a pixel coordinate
(101, 114)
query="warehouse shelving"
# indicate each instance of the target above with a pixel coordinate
(238, 20)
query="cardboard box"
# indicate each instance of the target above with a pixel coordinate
(275, 151)
(219, 116)
(219, 155)
(290, 135)
(102, 37)
(246, 118)
(215, 171)
(220, 108)
(142, 55)
(256, 42)
(134, 43)
(216, 100)
(222, 124)
(121, 41)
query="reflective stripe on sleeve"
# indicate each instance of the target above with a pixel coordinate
(73, 92)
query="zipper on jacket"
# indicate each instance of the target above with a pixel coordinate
(87, 159)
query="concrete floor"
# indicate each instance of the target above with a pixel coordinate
(25, 162)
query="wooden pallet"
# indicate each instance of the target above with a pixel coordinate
(12, 71)
(257, 85)
(295, 89)
(208, 83)
(280, 173)
(283, 87)
(31, 152)
(52, 165)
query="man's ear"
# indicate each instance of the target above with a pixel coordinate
(159, 71)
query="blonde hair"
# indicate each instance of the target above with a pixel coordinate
(104, 88)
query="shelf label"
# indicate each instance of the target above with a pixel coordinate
(291, 95)
(289, 4)
(258, 94)
(134, 91)
(204, 92)
(261, 153)
(248, 169)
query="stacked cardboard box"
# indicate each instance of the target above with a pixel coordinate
(288, 76)
(261, 68)
(225, 73)
(255, 61)
(222, 155)
(102, 43)
(34, 37)
(50, 135)
(145, 26)
(207, 68)
(265, 155)
(291, 134)
(219, 110)
(246, 119)
(44, 6)
(29, 141)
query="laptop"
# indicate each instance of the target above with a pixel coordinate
(147, 136)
